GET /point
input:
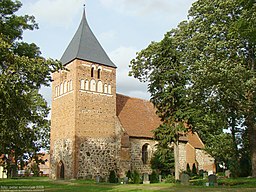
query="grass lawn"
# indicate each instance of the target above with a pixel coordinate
(44, 184)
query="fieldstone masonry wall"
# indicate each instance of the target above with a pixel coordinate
(182, 157)
(97, 157)
(205, 161)
(62, 151)
(136, 154)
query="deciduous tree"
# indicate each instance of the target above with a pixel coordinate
(23, 111)
(211, 84)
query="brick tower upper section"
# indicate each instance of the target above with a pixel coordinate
(84, 100)
(84, 96)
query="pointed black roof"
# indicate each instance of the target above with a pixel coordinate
(85, 46)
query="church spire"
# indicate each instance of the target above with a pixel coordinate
(85, 46)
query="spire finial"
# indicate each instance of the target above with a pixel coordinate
(84, 11)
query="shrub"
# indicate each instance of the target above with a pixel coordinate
(194, 169)
(198, 182)
(136, 177)
(129, 175)
(35, 169)
(112, 177)
(170, 179)
(154, 177)
(188, 170)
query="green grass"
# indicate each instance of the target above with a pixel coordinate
(45, 184)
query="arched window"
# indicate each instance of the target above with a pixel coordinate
(109, 89)
(99, 73)
(64, 87)
(86, 85)
(61, 89)
(93, 85)
(145, 154)
(105, 88)
(82, 84)
(99, 87)
(92, 71)
(60, 170)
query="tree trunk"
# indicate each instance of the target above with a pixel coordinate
(235, 168)
(176, 160)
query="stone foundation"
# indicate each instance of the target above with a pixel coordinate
(62, 152)
(97, 157)
(136, 155)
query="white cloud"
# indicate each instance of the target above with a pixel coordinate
(164, 8)
(107, 37)
(54, 12)
(125, 84)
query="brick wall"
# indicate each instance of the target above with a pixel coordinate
(84, 114)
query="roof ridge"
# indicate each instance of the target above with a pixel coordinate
(85, 46)
(80, 38)
(133, 97)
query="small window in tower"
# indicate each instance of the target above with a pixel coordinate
(93, 85)
(61, 89)
(109, 89)
(64, 87)
(99, 73)
(92, 71)
(105, 88)
(100, 87)
(68, 89)
(145, 154)
(82, 85)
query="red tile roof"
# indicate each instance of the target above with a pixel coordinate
(194, 140)
(137, 116)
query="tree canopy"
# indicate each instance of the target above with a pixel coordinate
(23, 111)
(210, 85)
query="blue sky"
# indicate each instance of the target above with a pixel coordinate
(123, 27)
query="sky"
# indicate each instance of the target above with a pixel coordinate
(123, 27)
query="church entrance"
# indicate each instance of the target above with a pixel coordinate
(60, 170)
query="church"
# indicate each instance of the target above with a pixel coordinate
(94, 130)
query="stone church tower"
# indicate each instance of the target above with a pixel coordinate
(83, 123)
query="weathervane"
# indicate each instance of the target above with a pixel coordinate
(84, 4)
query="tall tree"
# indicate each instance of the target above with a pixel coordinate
(223, 72)
(219, 59)
(23, 111)
(160, 65)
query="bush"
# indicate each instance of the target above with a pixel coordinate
(198, 182)
(154, 177)
(112, 177)
(129, 175)
(35, 169)
(170, 179)
(194, 169)
(136, 177)
(201, 173)
(188, 170)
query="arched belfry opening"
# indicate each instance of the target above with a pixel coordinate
(92, 72)
(60, 170)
